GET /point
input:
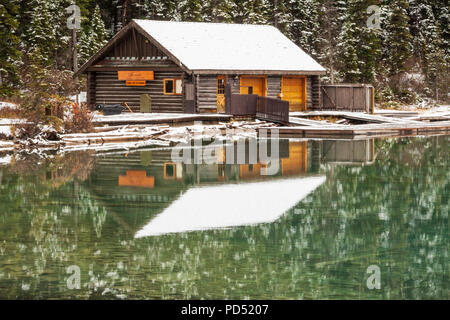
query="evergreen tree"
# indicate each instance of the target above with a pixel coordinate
(159, 10)
(190, 10)
(331, 16)
(217, 11)
(93, 37)
(40, 36)
(347, 56)
(9, 52)
(396, 38)
(428, 44)
(248, 11)
(303, 25)
(359, 47)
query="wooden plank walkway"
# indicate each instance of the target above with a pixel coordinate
(369, 130)
(359, 116)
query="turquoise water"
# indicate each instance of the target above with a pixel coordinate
(380, 203)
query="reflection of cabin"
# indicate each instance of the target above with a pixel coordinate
(184, 67)
(136, 187)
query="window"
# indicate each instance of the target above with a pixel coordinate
(220, 85)
(173, 86)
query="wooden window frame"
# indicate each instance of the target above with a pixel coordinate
(174, 87)
(224, 78)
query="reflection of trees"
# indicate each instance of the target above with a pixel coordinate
(393, 214)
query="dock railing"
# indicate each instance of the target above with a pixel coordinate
(264, 108)
(272, 109)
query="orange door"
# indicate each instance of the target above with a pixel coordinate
(293, 89)
(256, 83)
(221, 94)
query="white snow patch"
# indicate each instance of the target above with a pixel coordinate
(5, 160)
(7, 105)
(6, 130)
(250, 203)
(82, 97)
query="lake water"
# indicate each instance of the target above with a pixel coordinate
(140, 225)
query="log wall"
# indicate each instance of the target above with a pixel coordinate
(109, 90)
(316, 101)
(206, 92)
(273, 86)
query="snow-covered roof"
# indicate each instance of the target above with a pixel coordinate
(221, 46)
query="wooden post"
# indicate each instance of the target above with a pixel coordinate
(75, 58)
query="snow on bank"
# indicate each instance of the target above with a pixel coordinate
(7, 105)
(6, 131)
(5, 160)
(82, 97)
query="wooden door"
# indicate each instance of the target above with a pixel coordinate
(221, 81)
(256, 83)
(293, 89)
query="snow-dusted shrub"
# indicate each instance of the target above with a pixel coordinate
(79, 119)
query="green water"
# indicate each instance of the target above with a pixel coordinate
(383, 203)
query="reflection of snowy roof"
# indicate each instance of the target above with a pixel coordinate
(221, 46)
(230, 205)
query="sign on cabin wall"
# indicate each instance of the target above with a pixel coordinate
(135, 83)
(135, 75)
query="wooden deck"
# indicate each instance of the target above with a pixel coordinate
(368, 125)
(368, 130)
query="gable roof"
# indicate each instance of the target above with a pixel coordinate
(200, 47)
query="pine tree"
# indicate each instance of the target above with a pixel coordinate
(40, 36)
(347, 56)
(361, 59)
(190, 10)
(330, 19)
(248, 11)
(396, 38)
(93, 37)
(9, 52)
(159, 10)
(303, 25)
(217, 11)
(428, 44)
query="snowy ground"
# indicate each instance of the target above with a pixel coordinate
(82, 97)
(139, 136)
(136, 117)
(421, 108)
(7, 105)
(4, 160)
(5, 130)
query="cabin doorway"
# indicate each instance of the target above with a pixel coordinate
(293, 89)
(221, 82)
(253, 85)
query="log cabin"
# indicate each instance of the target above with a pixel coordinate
(184, 67)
